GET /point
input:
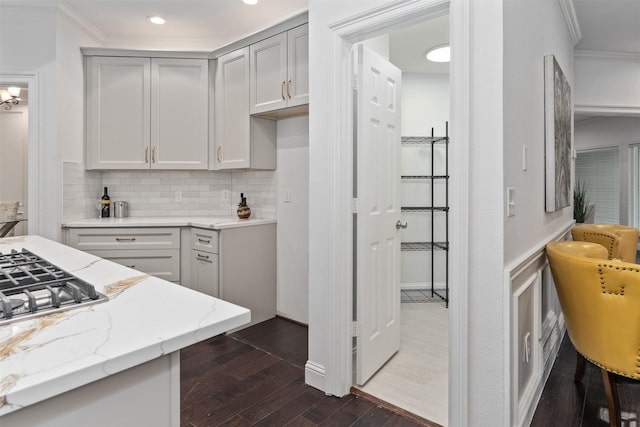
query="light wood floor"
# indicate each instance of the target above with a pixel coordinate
(417, 377)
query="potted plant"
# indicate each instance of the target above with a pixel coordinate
(580, 204)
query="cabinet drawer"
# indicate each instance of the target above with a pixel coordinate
(162, 263)
(205, 272)
(89, 239)
(204, 240)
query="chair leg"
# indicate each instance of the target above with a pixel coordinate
(581, 364)
(611, 389)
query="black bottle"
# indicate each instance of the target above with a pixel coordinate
(106, 204)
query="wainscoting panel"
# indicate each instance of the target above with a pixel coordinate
(535, 329)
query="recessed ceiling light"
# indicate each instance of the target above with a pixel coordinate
(159, 20)
(250, 1)
(439, 54)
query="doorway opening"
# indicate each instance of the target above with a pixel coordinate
(14, 171)
(416, 378)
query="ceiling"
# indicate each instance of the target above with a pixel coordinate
(190, 24)
(606, 25)
(609, 25)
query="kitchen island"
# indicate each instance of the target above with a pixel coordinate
(111, 363)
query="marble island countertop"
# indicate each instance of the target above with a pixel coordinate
(144, 318)
(215, 223)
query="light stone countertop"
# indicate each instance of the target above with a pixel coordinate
(215, 223)
(144, 318)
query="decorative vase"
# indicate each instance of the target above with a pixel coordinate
(244, 211)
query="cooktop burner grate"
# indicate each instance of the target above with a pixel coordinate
(31, 286)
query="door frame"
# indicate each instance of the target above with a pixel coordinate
(33, 146)
(342, 35)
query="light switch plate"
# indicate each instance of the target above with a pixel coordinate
(511, 201)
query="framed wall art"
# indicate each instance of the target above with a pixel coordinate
(557, 125)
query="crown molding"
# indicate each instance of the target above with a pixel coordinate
(79, 20)
(18, 6)
(608, 55)
(570, 17)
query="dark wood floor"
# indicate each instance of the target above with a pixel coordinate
(256, 377)
(582, 404)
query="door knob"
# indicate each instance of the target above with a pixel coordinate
(401, 224)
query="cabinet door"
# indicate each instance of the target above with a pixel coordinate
(118, 112)
(204, 269)
(298, 66)
(179, 113)
(231, 142)
(269, 74)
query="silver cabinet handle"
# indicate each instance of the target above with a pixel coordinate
(153, 155)
(282, 90)
(219, 154)
(204, 241)
(125, 239)
(400, 225)
(289, 88)
(203, 256)
(131, 266)
(146, 154)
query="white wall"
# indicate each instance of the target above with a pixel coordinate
(293, 218)
(526, 42)
(612, 132)
(70, 83)
(28, 46)
(425, 103)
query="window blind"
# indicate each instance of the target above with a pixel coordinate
(598, 171)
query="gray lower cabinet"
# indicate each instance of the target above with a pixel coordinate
(248, 269)
(204, 261)
(234, 264)
(155, 251)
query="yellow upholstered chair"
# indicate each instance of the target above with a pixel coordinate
(600, 299)
(626, 247)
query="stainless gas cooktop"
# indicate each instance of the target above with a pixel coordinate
(31, 286)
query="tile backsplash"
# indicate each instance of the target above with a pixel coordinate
(168, 193)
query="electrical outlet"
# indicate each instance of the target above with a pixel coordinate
(287, 196)
(527, 347)
(225, 195)
(178, 196)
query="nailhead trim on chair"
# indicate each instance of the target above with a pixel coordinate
(617, 267)
(608, 235)
(635, 376)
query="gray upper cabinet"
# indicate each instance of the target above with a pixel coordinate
(280, 71)
(146, 113)
(241, 141)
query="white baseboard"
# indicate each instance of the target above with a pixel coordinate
(314, 375)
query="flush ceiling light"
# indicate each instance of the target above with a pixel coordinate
(158, 20)
(439, 54)
(249, 1)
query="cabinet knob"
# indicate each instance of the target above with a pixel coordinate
(401, 224)
(282, 90)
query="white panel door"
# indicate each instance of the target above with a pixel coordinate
(378, 194)
(179, 113)
(232, 145)
(118, 112)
